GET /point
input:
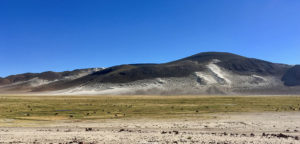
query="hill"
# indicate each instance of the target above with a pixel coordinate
(203, 73)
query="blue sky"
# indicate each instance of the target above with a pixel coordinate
(58, 35)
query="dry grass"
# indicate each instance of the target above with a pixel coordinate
(49, 108)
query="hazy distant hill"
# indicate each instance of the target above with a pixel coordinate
(203, 73)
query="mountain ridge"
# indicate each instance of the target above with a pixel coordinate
(202, 73)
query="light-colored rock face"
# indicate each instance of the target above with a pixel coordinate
(214, 75)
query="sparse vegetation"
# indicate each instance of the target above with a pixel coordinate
(118, 107)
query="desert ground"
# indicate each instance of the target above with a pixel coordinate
(149, 119)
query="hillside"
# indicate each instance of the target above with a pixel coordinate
(203, 73)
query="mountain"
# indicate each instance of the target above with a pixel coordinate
(292, 76)
(203, 73)
(27, 81)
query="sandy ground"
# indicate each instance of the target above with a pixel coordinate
(280, 127)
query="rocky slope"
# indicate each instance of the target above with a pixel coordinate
(203, 73)
(28, 81)
(292, 76)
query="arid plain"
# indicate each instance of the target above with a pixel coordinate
(149, 119)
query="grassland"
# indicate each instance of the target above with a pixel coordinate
(47, 108)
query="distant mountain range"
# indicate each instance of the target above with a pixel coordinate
(203, 73)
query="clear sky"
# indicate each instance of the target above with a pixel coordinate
(58, 35)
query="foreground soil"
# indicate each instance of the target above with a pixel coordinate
(221, 128)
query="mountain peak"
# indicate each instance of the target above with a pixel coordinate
(208, 56)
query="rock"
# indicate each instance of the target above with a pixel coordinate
(88, 129)
(176, 132)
